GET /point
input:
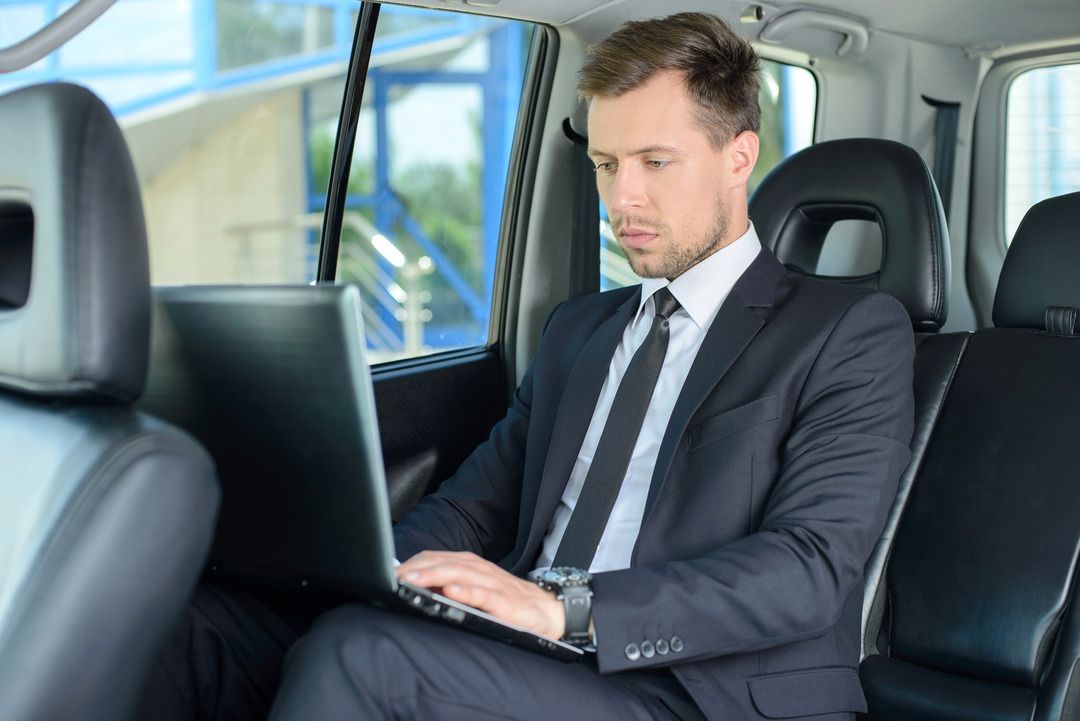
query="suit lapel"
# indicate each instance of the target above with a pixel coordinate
(575, 411)
(734, 326)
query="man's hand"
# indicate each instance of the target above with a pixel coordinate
(469, 579)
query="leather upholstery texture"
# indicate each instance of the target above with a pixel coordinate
(106, 517)
(906, 692)
(862, 179)
(106, 514)
(996, 488)
(1042, 267)
(981, 582)
(982, 620)
(83, 329)
(937, 357)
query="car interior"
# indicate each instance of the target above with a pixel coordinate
(431, 153)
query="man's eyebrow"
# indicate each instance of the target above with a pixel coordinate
(669, 149)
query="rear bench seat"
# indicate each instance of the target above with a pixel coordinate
(980, 619)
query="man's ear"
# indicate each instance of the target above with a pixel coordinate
(743, 153)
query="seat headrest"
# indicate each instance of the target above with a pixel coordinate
(1040, 279)
(75, 290)
(862, 179)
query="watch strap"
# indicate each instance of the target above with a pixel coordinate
(577, 600)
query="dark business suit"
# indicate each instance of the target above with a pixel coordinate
(771, 486)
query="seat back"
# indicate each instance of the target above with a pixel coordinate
(106, 514)
(889, 184)
(868, 179)
(982, 620)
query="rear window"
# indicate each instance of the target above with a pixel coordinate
(1042, 144)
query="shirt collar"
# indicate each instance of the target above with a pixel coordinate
(702, 288)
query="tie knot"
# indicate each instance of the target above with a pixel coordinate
(665, 302)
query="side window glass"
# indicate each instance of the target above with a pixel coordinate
(788, 105)
(425, 189)
(215, 98)
(1042, 143)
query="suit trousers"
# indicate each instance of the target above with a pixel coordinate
(223, 662)
(360, 662)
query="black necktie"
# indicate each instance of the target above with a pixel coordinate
(612, 456)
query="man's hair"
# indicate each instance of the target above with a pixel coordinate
(719, 67)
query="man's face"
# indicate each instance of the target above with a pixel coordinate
(671, 196)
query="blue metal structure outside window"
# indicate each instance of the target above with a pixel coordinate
(149, 57)
(500, 85)
(199, 72)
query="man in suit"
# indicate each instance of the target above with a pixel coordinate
(741, 485)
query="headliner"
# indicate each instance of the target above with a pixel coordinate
(993, 27)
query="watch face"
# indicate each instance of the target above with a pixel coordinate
(566, 576)
(550, 576)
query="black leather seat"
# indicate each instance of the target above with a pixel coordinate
(889, 184)
(982, 621)
(867, 179)
(106, 514)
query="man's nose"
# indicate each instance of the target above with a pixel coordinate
(627, 188)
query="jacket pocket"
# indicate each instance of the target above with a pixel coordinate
(795, 694)
(729, 422)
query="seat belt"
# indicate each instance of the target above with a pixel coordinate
(585, 222)
(946, 122)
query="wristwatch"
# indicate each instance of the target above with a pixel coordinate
(573, 587)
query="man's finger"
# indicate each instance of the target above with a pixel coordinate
(486, 599)
(445, 574)
(427, 559)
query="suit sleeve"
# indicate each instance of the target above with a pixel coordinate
(789, 579)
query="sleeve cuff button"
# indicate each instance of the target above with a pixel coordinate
(633, 653)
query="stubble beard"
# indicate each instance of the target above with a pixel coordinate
(675, 259)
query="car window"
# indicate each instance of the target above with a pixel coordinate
(788, 101)
(425, 189)
(1042, 144)
(230, 108)
(217, 100)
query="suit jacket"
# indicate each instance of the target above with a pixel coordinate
(772, 484)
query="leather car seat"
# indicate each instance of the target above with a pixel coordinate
(106, 514)
(982, 620)
(880, 181)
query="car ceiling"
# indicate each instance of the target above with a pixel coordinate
(990, 27)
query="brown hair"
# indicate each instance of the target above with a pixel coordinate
(720, 68)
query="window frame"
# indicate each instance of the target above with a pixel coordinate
(516, 195)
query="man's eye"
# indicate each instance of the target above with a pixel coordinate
(657, 164)
(607, 167)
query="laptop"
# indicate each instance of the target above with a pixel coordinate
(274, 382)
